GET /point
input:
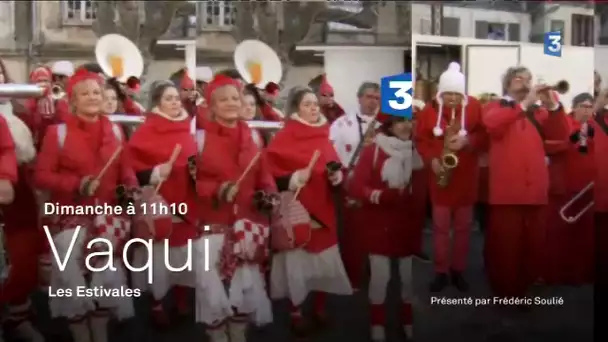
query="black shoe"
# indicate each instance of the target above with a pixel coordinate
(439, 283)
(422, 257)
(458, 281)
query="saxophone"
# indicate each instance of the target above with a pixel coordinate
(449, 159)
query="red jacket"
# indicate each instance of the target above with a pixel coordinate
(381, 226)
(463, 187)
(38, 123)
(518, 169)
(601, 164)
(291, 150)
(226, 154)
(86, 149)
(8, 157)
(152, 144)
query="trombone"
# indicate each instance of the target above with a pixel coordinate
(573, 219)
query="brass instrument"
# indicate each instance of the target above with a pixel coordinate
(561, 87)
(572, 219)
(120, 58)
(258, 63)
(448, 159)
(57, 91)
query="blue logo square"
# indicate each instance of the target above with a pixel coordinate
(553, 44)
(396, 93)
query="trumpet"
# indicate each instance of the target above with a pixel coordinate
(573, 219)
(57, 91)
(448, 159)
(561, 87)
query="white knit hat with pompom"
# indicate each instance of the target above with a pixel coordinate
(451, 81)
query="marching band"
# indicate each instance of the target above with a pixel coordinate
(320, 204)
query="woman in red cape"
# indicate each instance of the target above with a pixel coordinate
(317, 265)
(381, 181)
(570, 246)
(167, 125)
(71, 158)
(23, 238)
(228, 191)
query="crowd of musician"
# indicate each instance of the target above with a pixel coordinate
(319, 207)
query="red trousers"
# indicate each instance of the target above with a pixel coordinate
(444, 218)
(22, 247)
(513, 252)
(569, 248)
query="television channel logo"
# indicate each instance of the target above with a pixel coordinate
(553, 44)
(396, 95)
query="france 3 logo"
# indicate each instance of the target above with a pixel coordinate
(396, 95)
(553, 44)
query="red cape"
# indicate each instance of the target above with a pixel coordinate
(291, 150)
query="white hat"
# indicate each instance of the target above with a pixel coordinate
(451, 81)
(204, 74)
(63, 68)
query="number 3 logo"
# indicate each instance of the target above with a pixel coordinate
(404, 99)
(556, 43)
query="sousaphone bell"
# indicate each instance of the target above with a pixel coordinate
(120, 58)
(257, 63)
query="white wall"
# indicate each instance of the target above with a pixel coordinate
(348, 67)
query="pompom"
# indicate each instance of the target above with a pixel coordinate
(454, 67)
(437, 131)
(272, 88)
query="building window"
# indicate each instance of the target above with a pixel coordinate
(497, 31)
(219, 15)
(450, 27)
(513, 33)
(78, 11)
(558, 26)
(582, 30)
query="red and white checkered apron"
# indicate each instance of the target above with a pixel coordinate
(249, 239)
(244, 242)
(291, 225)
(116, 229)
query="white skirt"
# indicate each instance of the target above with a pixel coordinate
(245, 293)
(297, 272)
(72, 278)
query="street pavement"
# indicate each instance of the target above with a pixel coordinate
(433, 323)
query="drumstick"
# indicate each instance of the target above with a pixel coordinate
(311, 164)
(110, 161)
(251, 164)
(176, 150)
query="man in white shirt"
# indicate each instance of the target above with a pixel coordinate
(346, 133)
(348, 130)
